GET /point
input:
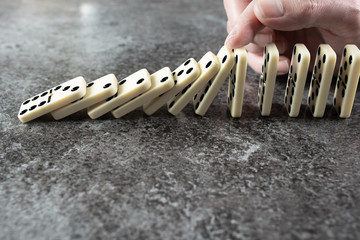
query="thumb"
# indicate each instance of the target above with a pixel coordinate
(291, 15)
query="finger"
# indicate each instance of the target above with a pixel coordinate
(245, 29)
(290, 15)
(234, 8)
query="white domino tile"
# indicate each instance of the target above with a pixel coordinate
(347, 81)
(236, 85)
(268, 79)
(52, 99)
(96, 91)
(128, 88)
(298, 71)
(209, 66)
(321, 79)
(185, 74)
(203, 99)
(161, 82)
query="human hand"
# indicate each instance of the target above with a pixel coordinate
(286, 22)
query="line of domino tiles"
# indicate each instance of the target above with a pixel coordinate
(200, 82)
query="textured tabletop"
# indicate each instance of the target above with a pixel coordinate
(160, 177)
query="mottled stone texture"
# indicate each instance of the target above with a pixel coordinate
(139, 177)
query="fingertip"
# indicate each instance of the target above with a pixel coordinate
(283, 65)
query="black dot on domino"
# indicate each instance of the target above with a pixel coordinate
(57, 88)
(197, 105)
(268, 57)
(90, 84)
(42, 103)
(122, 82)
(43, 94)
(319, 51)
(26, 102)
(319, 64)
(343, 92)
(299, 57)
(317, 91)
(66, 88)
(32, 107)
(291, 68)
(206, 89)
(346, 79)
(140, 81)
(175, 82)
(184, 90)
(350, 59)
(345, 65)
(309, 100)
(334, 101)
(236, 59)
(338, 83)
(164, 79)
(324, 58)
(320, 77)
(34, 98)
(224, 59)
(107, 85)
(74, 89)
(195, 96)
(345, 52)
(23, 112)
(294, 50)
(187, 62)
(171, 104)
(295, 77)
(208, 64)
(201, 97)
(189, 71)
(179, 73)
(173, 73)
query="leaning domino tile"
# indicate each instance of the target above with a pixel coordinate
(129, 88)
(321, 79)
(204, 98)
(161, 81)
(209, 66)
(236, 84)
(299, 67)
(185, 74)
(268, 78)
(347, 81)
(52, 99)
(96, 91)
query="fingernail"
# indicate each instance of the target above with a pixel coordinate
(270, 8)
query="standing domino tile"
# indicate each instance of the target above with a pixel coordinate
(299, 67)
(183, 76)
(96, 91)
(321, 79)
(161, 81)
(347, 81)
(52, 99)
(268, 78)
(209, 66)
(129, 88)
(204, 98)
(236, 84)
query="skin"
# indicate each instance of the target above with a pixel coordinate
(251, 24)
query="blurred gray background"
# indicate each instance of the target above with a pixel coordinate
(160, 177)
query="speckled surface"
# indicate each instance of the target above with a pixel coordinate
(138, 177)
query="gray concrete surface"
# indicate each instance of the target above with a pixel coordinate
(159, 177)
